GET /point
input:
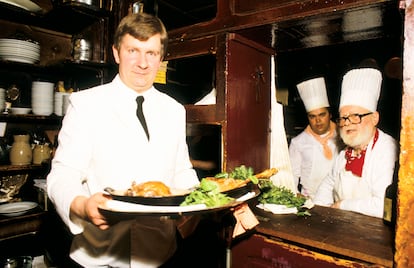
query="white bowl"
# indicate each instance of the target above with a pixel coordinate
(20, 110)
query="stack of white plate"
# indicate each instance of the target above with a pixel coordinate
(19, 50)
(42, 97)
(59, 98)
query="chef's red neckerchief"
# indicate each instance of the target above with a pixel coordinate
(355, 163)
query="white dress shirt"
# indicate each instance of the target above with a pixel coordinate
(309, 163)
(102, 144)
(363, 194)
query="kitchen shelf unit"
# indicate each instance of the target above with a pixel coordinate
(54, 28)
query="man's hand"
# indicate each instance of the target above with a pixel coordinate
(87, 209)
(336, 204)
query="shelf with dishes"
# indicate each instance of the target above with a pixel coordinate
(57, 68)
(57, 16)
(37, 84)
(60, 33)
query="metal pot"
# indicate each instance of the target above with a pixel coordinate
(82, 49)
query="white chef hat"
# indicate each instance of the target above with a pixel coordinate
(361, 87)
(313, 93)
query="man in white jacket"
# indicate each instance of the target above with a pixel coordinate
(364, 169)
(312, 152)
(103, 144)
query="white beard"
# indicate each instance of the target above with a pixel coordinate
(362, 138)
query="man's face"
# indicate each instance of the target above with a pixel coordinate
(319, 120)
(138, 61)
(358, 135)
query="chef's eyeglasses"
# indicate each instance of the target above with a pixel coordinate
(352, 118)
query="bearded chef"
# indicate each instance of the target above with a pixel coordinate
(364, 169)
(312, 152)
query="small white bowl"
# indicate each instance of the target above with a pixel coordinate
(20, 110)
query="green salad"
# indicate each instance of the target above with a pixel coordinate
(241, 173)
(272, 194)
(207, 193)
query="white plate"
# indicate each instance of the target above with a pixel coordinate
(120, 207)
(6, 42)
(19, 49)
(16, 209)
(18, 59)
(24, 4)
(21, 55)
(20, 110)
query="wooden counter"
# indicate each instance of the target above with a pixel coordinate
(332, 232)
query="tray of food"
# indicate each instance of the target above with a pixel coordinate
(115, 209)
(213, 193)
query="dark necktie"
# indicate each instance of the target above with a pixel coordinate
(140, 114)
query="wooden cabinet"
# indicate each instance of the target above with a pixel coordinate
(242, 80)
(247, 99)
(261, 252)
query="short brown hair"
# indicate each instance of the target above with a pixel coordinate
(141, 26)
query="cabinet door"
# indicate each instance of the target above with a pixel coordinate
(246, 130)
(261, 252)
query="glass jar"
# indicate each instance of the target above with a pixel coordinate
(41, 153)
(21, 151)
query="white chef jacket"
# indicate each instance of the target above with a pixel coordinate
(363, 194)
(101, 144)
(308, 161)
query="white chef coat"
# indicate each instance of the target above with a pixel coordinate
(102, 143)
(309, 163)
(363, 194)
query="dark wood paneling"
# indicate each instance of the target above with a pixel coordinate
(247, 104)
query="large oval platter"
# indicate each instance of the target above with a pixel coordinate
(116, 210)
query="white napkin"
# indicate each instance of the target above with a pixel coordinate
(278, 209)
(282, 209)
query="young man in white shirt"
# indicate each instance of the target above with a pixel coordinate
(312, 152)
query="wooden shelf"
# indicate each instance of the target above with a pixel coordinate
(32, 119)
(202, 114)
(12, 227)
(22, 169)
